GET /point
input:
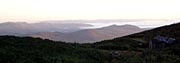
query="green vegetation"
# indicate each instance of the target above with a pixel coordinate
(138, 43)
(128, 49)
(35, 50)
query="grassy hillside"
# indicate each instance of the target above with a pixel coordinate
(35, 50)
(143, 38)
(128, 49)
(139, 43)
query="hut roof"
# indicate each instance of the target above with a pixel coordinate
(164, 39)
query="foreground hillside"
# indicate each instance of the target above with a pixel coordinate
(172, 31)
(128, 49)
(35, 50)
(140, 41)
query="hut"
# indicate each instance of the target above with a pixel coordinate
(161, 41)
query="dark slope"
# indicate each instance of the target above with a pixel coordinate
(35, 50)
(172, 30)
(139, 42)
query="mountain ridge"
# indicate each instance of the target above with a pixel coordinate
(21, 28)
(92, 35)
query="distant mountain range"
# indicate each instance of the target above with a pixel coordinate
(20, 28)
(69, 32)
(90, 35)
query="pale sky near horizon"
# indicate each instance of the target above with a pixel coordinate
(39, 10)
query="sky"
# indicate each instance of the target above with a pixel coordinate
(40, 10)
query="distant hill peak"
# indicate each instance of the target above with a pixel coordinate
(126, 26)
(114, 25)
